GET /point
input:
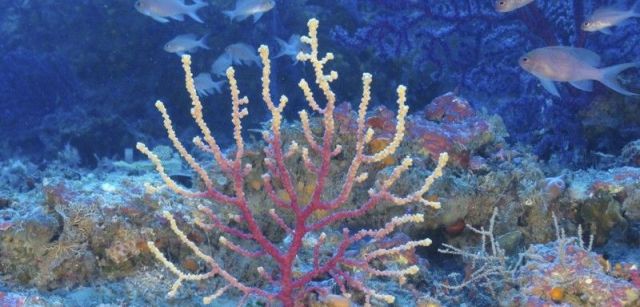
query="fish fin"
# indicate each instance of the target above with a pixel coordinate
(230, 14)
(195, 17)
(217, 86)
(203, 92)
(233, 16)
(625, 22)
(235, 61)
(202, 42)
(177, 17)
(585, 85)
(609, 77)
(256, 17)
(606, 31)
(192, 50)
(281, 42)
(189, 36)
(283, 46)
(581, 54)
(160, 19)
(192, 10)
(549, 86)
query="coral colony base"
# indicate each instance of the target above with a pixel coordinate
(301, 220)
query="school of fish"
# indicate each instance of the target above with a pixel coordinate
(239, 53)
(577, 66)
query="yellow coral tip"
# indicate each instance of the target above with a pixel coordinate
(413, 270)
(389, 299)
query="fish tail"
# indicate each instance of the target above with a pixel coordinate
(193, 10)
(233, 16)
(609, 77)
(283, 47)
(281, 42)
(203, 42)
(230, 14)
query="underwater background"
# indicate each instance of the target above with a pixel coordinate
(539, 198)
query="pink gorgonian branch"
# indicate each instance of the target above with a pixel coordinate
(302, 223)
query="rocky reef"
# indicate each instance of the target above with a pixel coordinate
(87, 230)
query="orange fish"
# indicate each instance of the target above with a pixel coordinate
(577, 66)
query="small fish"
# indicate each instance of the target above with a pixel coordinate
(185, 43)
(205, 85)
(162, 10)
(242, 53)
(246, 8)
(504, 6)
(577, 66)
(220, 65)
(605, 17)
(291, 48)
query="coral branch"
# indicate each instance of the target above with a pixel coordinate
(217, 224)
(302, 222)
(196, 112)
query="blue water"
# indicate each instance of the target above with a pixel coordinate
(79, 79)
(64, 66)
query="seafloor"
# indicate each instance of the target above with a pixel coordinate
(539, 201)
(73, 237)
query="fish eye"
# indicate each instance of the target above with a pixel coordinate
(501, 3)
(525, 59)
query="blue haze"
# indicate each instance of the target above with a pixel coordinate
(86, 73)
